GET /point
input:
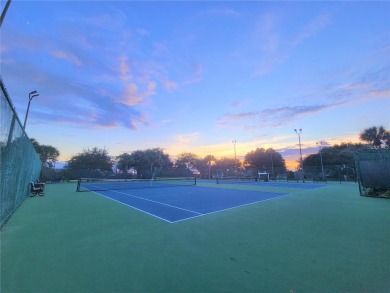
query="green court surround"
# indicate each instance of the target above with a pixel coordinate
(323, 240)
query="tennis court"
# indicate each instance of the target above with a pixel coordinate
(186, 202)
(273, 239)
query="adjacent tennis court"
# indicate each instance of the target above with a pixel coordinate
(236, 238)
(298, 185)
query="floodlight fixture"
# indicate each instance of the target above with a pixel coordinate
(30, 97)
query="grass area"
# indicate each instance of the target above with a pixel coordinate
(323, 240)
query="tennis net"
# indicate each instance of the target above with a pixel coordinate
(228, 180)
(99, 184)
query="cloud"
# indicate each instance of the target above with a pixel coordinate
(183, 142)
(369, 85)
(169, 85)
(132, 96)
(187, 138)
(382, 93)
(270, 51)
(312, 28)
(223, 11)
(269, 63)
(114, 77)
(378, 78)
(86, 108)
(67, 56)
(238, 103)
(270, 117)
(372, 84)
(268, 22)
(275, 47)
(124, 70)
(93, 117)
(65, 100)
(195, 75)
(142, 31)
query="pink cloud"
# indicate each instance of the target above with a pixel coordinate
(67, 56)
(133, 96)
(170, 85)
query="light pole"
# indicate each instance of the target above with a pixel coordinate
(235, 155)
(4, 12)
(300, 151)
(322, 165)
(209, 167)
(30, 97)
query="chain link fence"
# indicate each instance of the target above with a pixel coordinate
(19, 161)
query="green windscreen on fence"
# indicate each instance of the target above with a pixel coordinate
(375, 173)
(19, 161)
(373, 169)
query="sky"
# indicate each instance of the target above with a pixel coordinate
(194, 76)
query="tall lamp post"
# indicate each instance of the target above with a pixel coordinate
(300, 151)
(4, 12)
(322, 165)
(30, 97)
(235, 155)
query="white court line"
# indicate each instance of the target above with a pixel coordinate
(198, 214)
(133, 207)
(192, 217)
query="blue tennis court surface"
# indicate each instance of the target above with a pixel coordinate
(185, 202)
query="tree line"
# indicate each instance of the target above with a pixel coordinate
(150, 163)
(154, 162)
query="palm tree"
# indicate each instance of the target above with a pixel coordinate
(375, 135)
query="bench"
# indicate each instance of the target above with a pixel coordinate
(37, 189)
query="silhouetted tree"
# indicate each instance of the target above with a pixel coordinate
(187, 160)
(226, 166)
(95, 160)
(375, 136)
(146, 163)
(261, 158)
(47, 153)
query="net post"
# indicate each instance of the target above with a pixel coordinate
(78, 185)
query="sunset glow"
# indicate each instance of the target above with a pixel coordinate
(194, 76)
